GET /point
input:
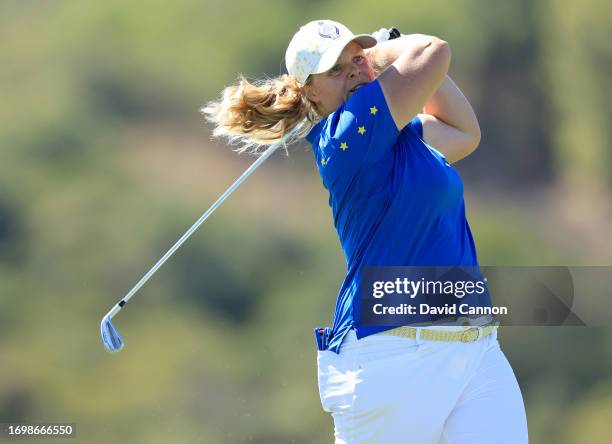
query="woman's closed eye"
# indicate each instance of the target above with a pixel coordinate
(358, 59)
(335, 70)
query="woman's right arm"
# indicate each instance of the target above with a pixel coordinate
(416, 66)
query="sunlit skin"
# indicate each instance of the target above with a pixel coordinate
(332, 88)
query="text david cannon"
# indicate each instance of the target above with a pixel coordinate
(464, 309)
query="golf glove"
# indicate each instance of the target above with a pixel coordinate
(382, 35)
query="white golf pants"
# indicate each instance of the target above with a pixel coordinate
(385, 389)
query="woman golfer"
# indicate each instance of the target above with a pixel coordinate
(396, 201)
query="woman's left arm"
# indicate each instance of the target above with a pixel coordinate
(449, 122)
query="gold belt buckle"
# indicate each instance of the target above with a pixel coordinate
(471, 334)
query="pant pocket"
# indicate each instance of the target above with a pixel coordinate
(337, 378)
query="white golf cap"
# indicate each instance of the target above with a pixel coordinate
(315, 48)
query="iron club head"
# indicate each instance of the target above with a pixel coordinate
(110, 335)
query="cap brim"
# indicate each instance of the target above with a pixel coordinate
(331, 55)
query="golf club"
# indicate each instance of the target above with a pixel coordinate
(110, 335)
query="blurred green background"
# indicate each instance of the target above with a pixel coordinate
(105, 162)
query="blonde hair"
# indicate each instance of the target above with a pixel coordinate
(256, 115)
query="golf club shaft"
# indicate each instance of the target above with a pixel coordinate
(194, 227)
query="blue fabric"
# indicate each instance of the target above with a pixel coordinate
(395, 200)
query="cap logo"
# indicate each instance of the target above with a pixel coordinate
(328, 30)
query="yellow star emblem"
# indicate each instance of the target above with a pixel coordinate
(323, 162)
(361, 130)
(343, 146)
(373, 110)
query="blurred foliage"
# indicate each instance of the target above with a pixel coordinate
(105, 162)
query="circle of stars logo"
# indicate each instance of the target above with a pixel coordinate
(328, 30)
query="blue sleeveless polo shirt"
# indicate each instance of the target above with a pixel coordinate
(395, 200)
